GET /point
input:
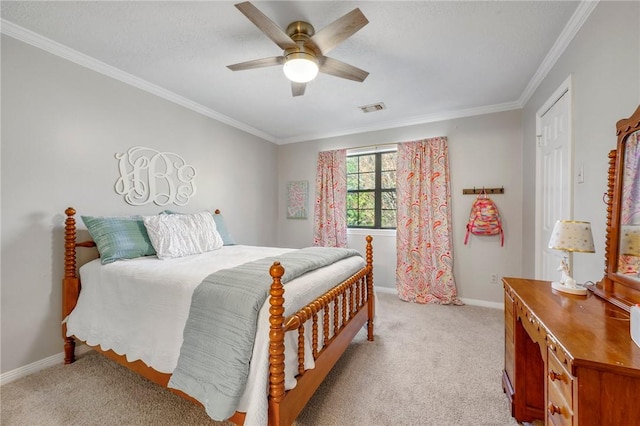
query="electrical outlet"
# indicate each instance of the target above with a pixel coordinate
(494, 278)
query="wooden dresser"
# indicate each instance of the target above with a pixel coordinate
(569, 359)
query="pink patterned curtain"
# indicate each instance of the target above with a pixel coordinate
(630, 209)
(630, 202)
(424, 272)
(330, 213)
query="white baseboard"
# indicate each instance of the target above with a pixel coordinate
(34, 367)
(387, 290)
(482, 303)
(53, 360)
(472, 302)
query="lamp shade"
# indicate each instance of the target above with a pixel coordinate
(630, 240)
(572, 235)
(300, 67)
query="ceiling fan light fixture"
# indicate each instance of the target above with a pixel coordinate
(304, 50)
(300, 67)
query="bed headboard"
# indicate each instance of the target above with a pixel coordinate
(71, 281)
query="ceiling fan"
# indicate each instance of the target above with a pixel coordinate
(304, 49)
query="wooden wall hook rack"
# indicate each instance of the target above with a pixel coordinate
(476, 191)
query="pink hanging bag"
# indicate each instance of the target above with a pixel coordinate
(484, 219)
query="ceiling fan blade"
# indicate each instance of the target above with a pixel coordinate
(341, 69)
(297, 89)
(257, 63)
(266, 25)
(338, 31)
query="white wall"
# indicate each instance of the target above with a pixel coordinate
(484, 151)
(604, 61)
(61, 126)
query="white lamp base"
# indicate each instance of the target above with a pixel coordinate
(572, 290)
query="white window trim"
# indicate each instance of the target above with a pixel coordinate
(372, 231)
(372, 149)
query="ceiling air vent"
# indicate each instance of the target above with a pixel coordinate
(373, 107)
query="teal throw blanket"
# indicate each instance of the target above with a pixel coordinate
(219, 334)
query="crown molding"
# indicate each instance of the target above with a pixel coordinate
(578, 18)
(27, 36)
(412, 121)
(581, 14)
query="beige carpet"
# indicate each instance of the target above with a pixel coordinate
(429, 365)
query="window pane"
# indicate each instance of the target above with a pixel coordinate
(367, 181)
(389, 200)
(352, 164)
(388, 218)
(367, 163)
(366, 200)
(389, 161)
(352, 200)
(352, 182)
(352, 217)
(367, 218)
(388, 179)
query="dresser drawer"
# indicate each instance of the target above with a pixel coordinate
(509, 317)
(509, 348)
(559, 392)
(558, 410)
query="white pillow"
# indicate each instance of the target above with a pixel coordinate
(177, 235)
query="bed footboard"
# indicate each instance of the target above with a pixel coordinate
(345, 310)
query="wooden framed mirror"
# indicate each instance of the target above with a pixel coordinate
(621, 283)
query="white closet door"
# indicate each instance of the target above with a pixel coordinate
(554, 184)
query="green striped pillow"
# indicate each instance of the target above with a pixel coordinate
(119, 237)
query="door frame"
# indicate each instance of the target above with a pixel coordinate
(565, 89)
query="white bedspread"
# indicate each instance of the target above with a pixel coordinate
(139, 307)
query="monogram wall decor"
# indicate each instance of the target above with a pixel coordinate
(150, 176)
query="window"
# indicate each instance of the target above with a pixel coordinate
(371, 190)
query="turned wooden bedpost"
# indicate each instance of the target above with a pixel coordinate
(70, 282)
(370, 295)
(276, 336)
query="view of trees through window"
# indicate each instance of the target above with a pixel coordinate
(371, 190)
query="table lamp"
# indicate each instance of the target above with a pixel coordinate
(570, 236)
(630, 246)
(630, 240)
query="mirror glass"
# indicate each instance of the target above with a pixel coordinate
(629, 244)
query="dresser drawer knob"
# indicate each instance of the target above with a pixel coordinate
(553, 375)
(554, 409)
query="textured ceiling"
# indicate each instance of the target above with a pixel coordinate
(426, 59)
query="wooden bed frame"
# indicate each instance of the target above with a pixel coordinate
(353, 307)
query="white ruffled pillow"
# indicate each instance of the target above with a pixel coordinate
(178, 235)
